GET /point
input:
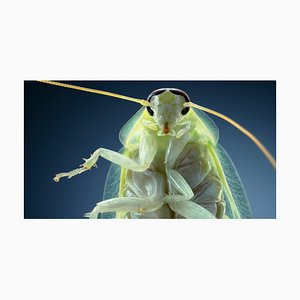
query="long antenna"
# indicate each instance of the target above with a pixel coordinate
(255, 140)
(143, 102)
(79, 88)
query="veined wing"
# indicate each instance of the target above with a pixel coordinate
(238, 194)
(209, 124)
(112, 186)
(128, 127)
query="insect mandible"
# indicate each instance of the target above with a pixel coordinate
(171, 165)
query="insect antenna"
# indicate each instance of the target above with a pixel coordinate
(254, 139)
(143, 102)
(79, 88)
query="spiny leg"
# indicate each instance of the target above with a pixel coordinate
(180, 203)
(191, 210)
(181, 185)
(174, 149)
(147, 152)
(125, 204)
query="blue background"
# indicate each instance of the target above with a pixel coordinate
(64, 125)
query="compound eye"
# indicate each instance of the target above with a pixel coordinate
(185, 111)
(150, 111)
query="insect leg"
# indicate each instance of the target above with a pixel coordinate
(181, 185)
(174, 149)
(179, 203)
(147, 151)
(89, 163)
(191, 210)
(125, 204)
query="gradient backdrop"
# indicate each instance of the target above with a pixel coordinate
(64, 125)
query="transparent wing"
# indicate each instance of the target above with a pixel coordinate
(126, 129)
(209, 124)
(112, 186)
(235, 185)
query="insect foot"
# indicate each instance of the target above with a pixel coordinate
(57, 177)
(69, 174)
(89, 163)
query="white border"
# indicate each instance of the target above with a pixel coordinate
(216, 40)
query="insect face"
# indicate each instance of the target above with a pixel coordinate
(167, 109)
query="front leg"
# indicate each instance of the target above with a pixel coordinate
(125, 204)
(177, 144)
(177, 181)
(181, 204)
(147, 151)
(191, 210)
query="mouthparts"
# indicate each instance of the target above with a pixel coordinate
(166, 129)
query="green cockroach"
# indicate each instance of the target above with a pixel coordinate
(171, 165)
